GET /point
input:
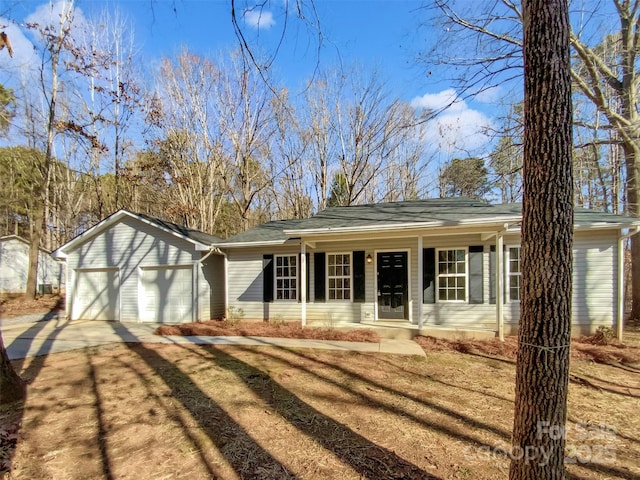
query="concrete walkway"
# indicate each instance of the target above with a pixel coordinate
(28, 339)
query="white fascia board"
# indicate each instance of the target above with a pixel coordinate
(251, 244)
(605, 225)
(406, 226)
(110, 220)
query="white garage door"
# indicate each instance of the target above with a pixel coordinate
(96, 295)
(167, 294)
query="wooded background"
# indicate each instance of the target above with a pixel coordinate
(215, 144)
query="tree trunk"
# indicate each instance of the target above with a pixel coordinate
(12, 387)
(547, 240)
(34, 253)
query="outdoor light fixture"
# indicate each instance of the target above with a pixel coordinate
(369, 258)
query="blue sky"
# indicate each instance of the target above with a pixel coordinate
(380, 34)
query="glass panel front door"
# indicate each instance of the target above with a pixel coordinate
(392, 285)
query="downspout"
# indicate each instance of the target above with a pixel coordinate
(420, 283)
(620, 307)
(500, 285)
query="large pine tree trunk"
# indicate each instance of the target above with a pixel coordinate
(547, 240)
(12, 387)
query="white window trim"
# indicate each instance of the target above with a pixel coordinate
(466, 275)
(326, 262)
(507, 273)
(275, 278)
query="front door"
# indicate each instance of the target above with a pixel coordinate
(393, 298)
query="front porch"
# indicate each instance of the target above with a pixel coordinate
(402, 330)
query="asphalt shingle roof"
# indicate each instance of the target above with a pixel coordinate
(447, 211)
(195, 235)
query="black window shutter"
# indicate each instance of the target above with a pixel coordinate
(267, 278)
(319, 276)
(429, 275)
(476, 291)
(492, 275)
(358, 277)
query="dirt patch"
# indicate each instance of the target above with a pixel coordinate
(217, 328)
(189, 411)
(585, 348)
(16, 305)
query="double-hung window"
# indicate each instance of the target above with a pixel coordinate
(514, 273)
(286, 277)
(452, 275)
(339, 276)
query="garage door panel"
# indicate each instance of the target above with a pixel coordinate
(96, 295)
(167, 294)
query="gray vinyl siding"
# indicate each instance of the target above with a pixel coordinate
(128, 245)
(595, 279)
(211, 288)
(14, 267)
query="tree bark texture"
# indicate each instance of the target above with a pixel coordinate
(546, 248)
(12, 387)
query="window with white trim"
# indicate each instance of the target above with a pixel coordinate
(339, 276)
(513, 273)
(452, 275)
(286, 277)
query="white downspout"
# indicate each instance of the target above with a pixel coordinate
(500, 285)
(620, 306)
(420, 283)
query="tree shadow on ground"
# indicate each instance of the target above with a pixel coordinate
(11, 419)
(370, 460)
(225, 433)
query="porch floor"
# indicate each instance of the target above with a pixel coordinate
(403, 330)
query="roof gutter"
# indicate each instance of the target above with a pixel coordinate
(404, 226)
(253, 244)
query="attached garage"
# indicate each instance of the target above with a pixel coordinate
(166, 294)
(135, 268)
(96, 295)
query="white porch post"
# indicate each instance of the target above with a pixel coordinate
(303, 283)
(620, 309)
(500, 285)
(420, 282)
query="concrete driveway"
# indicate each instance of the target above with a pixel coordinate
(58, 335)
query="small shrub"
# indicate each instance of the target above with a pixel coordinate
(604, 335)
(234, 315)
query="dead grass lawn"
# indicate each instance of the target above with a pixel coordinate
(197, 412)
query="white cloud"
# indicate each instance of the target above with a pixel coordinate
(259, 19)
(457, 127)
(25, 58)
(52, 14)
(489, 95)
(447, 99)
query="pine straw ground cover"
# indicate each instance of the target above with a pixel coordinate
(267, 329)
(197, 412)
(13, 305)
